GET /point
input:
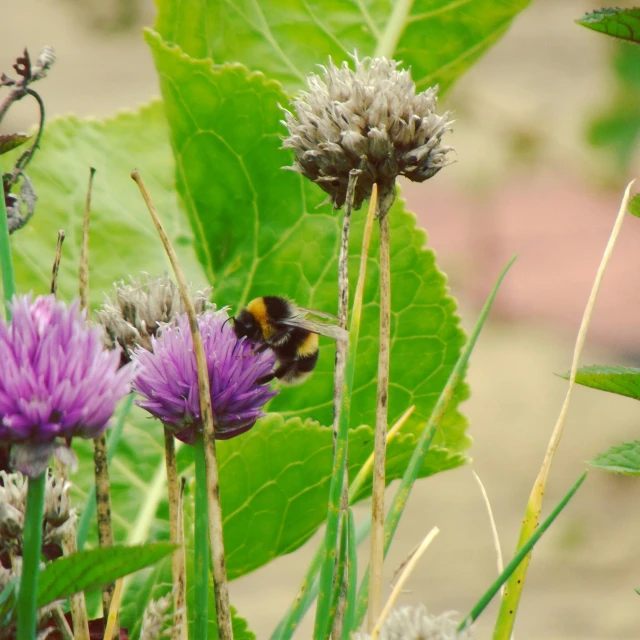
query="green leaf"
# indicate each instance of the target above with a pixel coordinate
(625, 381)
(261, 230)
(617, 126)
(623, 458)
(619, 23)
(634, 206)
(122, 239)
(439, 39)
(10, 141)
(92, 569)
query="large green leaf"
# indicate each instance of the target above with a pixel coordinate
(625, 381)
(123, 240)
(263, 231)
(623, 458)
(439, 39)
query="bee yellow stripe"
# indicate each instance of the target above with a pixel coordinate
(258, 310)
(309, 345)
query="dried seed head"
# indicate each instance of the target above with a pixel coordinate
(44, 61)
(154, 618)
(414, 623)
(59, 517)
(369, 119)
(133, 315)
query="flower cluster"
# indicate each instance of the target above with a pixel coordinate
(166, 378)
(59, 516)
(57, 382)
(134, 314)
(414, 623)
(369, 119)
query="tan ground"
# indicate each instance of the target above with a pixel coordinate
(542, 80)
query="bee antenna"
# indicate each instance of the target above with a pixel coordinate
(227, 320)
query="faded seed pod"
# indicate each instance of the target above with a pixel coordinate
(132, 316)
(415, 623)
(369, 119)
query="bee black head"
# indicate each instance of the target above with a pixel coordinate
(244, 324)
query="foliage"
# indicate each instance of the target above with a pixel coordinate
(247, 228)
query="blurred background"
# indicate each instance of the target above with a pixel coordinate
(546, 132)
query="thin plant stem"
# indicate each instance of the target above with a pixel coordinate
(100, 460)
(376, 554)
(62, 624)
(299, 606)
(352, 578)
(77, 602)
(492, 522)
(178, 560)
(424, 441)
(220, 585)
(365, 470)
(201, 543)
(408, 570)
(339, 373)
(56, 263)
(323, 620)
(288, 625)
(518, 558)
(339, 598)
(112, 620)
(513, 588)
(6, 260)
(31, 550)
(112, 443)
(26, 157)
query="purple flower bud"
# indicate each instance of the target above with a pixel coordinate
(56, 381)
(167, 379)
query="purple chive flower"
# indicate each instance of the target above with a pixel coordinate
(166, 378)
(56, 381)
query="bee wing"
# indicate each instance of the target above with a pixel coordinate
(321, 328)
(320, 314)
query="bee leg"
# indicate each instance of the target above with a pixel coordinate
(268, 378)
(261, 349)
(281, 371)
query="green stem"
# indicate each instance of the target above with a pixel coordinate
(6, 261)
(352, 581)
(424, 442)
(201, 543)
(89, 509)
(309, 587)
(517, 559)
(323, 618)
(27, 599)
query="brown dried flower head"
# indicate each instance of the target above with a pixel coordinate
(59, 517)
(134, 313)
(415, 623)
(369, 119)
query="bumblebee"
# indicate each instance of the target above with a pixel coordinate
(280, 325)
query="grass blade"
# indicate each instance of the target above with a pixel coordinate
(517, 559)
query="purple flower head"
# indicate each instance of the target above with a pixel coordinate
(166, 378)
(56, 381)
